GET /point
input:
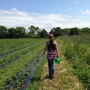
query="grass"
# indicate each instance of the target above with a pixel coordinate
(17, 66)
(64, 78)
(36, 81)
(15, 55)
(77, 50)
(66, 74)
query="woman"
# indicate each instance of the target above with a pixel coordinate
(52, 53)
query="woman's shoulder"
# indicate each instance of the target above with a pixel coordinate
(55, 42)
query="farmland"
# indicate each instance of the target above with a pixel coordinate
(22, 63)
(19, 59)
(77, 51)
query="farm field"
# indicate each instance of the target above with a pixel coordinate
(77, 51)
(22, 66)
(19, 58)
(73, 73)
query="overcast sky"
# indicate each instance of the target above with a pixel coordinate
(45, 13)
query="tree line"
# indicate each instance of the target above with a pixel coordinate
(35, 31)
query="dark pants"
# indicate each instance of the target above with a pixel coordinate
(51, 68)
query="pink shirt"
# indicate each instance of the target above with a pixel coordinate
(51, 54)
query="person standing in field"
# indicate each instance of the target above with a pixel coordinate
(52, 53)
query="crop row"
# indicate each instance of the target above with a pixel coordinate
(4, 44)
(15, 67)
(12, 57)
(23, 78)
(14, 50)
(36, 81)
(8, 51)
(16, 47)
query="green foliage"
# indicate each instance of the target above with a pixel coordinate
(86, 30)
(73, 31)
(56, 31)
(18, 65)
(65, 31)
(11, 33)
(44, 33)
(36, 82)
(70, 52)
(20, 32)
(35, 31)
(77, 51)
(3, 32)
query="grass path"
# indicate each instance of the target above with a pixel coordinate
(63, 77)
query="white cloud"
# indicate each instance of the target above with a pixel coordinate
(13, 11)
(14, 17)
(87, 11)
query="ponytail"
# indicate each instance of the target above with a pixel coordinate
(51, 45)
(51, 41)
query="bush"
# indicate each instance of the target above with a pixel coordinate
(77, 51)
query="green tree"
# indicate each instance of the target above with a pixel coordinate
(85, 30)
(65, 31)
(74, 31)
(37, 30)
(20, 32)
(44, 33)
(56, 31)
(12, 33)
(3, 32)
(52, 31)
(34, 31)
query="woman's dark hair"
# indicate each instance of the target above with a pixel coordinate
(51, 45)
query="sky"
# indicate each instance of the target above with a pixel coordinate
(46, 14)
